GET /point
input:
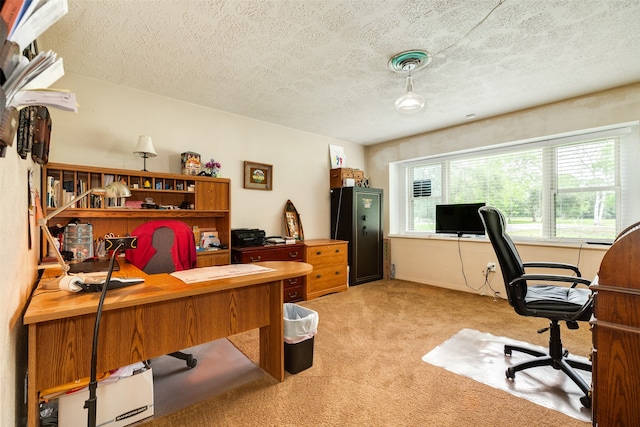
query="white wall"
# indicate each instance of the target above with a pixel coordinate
(110, 118)
(17, 274)
(429, 260)
(459, 264)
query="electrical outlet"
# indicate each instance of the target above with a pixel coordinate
(491, 266)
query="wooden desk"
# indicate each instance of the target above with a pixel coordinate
(144, 321)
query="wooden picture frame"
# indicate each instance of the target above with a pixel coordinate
(258, 176)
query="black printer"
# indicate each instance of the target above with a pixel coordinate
(245, 237)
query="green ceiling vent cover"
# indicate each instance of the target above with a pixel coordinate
(409, 61)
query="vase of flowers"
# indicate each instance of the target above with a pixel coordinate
(213, 167)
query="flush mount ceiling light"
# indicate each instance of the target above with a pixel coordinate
(408, 62)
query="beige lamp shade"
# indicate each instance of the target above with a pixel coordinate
(145, 149)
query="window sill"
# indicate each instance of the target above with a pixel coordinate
(523, 242)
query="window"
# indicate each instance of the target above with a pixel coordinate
(562, 188)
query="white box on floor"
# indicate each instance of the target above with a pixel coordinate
(120, 403)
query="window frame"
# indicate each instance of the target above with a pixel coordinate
(626, 185)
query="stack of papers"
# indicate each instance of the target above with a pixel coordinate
(218, 272)
(26, 20)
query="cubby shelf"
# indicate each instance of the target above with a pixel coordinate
(207, 199)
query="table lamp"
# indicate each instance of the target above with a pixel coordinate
(145, 149)
(113, 190)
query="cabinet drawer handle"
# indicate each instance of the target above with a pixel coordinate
(337, 251)
(337, 273)
(292, 295)
(293, 281)
(319, 253)
(293, 254)
(318, 276)
(258, 258)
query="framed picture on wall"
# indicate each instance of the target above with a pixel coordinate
(258, 176)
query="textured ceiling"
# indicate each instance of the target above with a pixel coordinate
(321, 65)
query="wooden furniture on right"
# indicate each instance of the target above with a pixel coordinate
(616, 334)
(329, 260)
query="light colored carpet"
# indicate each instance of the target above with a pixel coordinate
(368, 370)
(221, 367)
(480, 356)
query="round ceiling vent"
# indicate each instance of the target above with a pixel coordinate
(409, 61)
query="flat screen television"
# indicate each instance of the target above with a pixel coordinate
(459, 219)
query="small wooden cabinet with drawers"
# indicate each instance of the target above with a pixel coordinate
(293, 288)
(329, 260)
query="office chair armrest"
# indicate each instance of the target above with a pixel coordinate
(587, 307)
(561, 265)
(553, 278)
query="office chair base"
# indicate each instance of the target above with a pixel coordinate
(191, 361)
(564, 364)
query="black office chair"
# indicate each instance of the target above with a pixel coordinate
(162, 235)
(554, 302)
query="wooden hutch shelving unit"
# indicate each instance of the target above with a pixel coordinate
(208, 200)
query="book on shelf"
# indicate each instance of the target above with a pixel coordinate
(82, 187)
(50, 194)
(96, 201)
(57, 193)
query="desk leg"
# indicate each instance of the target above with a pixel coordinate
(272, 336)
(33, 413)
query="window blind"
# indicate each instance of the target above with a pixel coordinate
(565, 188)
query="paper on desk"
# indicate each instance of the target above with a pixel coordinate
(218, 272)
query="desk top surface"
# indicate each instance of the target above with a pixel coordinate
(48, 302)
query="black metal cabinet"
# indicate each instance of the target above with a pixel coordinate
(356, 216)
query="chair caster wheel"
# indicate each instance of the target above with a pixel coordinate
(510, 373)
(586, 401)
(507, 350)
(191, 362)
